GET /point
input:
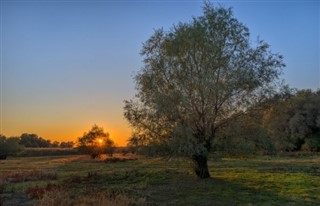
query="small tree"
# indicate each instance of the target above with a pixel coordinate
(67, 144)
(9, 146)
(95, 142)
(195, 79)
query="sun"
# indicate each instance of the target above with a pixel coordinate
(100, 141)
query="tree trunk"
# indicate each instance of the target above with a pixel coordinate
(201, 166)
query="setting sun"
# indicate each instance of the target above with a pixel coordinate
(100, 141)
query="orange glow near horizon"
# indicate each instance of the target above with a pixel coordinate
(66, 121)
(119, 133)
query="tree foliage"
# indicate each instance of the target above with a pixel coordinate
(197, 77)
(244, 135)
(96, 142)
(9, 146)
(69, 144)
(33, 140)
(293, 122)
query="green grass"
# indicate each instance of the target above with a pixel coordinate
(261, 180)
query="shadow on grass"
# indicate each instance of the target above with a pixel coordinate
(193, 191)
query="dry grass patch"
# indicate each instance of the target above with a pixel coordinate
(23, 176)
(61, 197)
(38, 192)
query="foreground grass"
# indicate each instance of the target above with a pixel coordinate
(253, 181)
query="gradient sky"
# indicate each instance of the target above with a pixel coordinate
(66, 65)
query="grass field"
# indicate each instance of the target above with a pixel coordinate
(78, 180)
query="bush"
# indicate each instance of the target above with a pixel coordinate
(9, 146)
(312, 144)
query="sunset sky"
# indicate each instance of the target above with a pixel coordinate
(66, 65)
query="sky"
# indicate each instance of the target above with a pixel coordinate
(66, 65)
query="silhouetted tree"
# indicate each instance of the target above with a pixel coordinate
(195, 78)
(95, 142)
(55, 144)
(66, 144)
(9, 146)
(32, 140)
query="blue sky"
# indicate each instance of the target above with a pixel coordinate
(69, 64)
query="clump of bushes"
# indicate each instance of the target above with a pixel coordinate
(312, 144)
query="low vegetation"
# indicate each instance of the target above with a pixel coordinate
(79, 180)
(36, 152)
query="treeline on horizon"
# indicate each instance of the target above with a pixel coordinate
(288, 122)
(33, 145)
(34, 141)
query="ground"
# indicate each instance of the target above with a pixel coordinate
(262, 180)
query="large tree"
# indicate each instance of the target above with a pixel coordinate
(196, 77)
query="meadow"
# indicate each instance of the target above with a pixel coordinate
(79, 180)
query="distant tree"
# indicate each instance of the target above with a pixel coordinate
(293, 122)
(95, 142)
(9, 146)
(66, 144)
(196, 78)
(55, 144)
(32, 140)
(244, 135)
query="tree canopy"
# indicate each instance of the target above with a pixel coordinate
(196, 77)
(293, 122)
(95, 142)
(9, 146)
